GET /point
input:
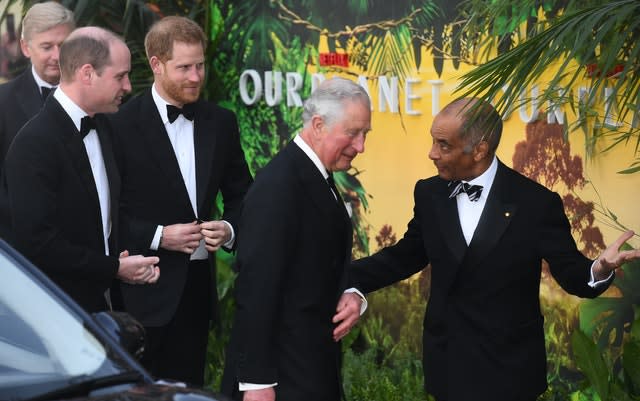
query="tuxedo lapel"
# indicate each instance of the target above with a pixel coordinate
(28, 94)
(204, 142)
(449, 223)
(159, 147)
(496, 216)
(316, 185)
(77, 151)
(113, 175)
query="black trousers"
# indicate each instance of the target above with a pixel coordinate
(178, 350)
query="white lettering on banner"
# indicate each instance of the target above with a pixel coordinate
(388, 94)
(273, 88)
(436, 85)
(362, 81)
(257, 87)
(410, 96)
(294, 84)
(534, 105)
(253, 87)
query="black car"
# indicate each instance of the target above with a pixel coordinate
(51, 349)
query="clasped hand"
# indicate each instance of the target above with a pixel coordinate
(186, 237)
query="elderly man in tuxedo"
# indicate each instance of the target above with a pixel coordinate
(485, 230)
(62, 180)
(176, 153)
(44, 27)
(293, 252)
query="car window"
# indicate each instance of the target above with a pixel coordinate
(43, 343)
(38, 334)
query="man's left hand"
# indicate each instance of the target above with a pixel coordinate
(612, 257)
(216, 233)
(348, 314)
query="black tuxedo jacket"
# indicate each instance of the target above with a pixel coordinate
(154, 192)
(483, 328)
(20, 100)
(294, 245)
(54, 207)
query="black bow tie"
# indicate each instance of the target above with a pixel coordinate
(86, 124)
(472, 191)
(188, 111)
(46, 91)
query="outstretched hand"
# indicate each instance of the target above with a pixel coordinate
(612, 257)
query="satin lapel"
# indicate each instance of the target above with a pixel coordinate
(315, 184)
(159, 147)
(113, 175)
(29, 97)
(449, 223)
(204, 142)
(496, 216)
(77, 151)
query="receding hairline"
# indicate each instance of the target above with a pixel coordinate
(96, 33)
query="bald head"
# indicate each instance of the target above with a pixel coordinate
(479, 122)
(87, 45)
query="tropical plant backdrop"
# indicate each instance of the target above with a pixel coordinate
(564, 74)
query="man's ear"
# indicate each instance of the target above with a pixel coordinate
(317, 124)
(156, 65)
(481, 150)
(24, 46)
(85, 73)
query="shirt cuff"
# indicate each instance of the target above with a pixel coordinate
(155, 243)
(229, 244)
(252, 386)
(363, 306)
(595, 284)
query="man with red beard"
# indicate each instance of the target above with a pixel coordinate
(175, 153)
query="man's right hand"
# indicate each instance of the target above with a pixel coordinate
(265, 394)
(181, 237)
(138, 269)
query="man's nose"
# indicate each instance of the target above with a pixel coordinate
(358, 143)
(433, 153)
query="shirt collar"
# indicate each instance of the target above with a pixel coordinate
(73, 110)
(311, 155)
(39, 81)
(486, 179)
(161, 104)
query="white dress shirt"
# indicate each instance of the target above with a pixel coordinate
(180, 134)
(469, 212)
(40, 82)
(98, 169)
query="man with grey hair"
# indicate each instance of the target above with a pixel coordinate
(44, 27)
(294, 246)
(62, 181)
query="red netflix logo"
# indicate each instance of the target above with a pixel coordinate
(340, 59)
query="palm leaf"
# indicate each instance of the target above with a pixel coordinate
(609, 31)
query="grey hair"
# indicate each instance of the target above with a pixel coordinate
(328, 99)
(43, 16)
(480, 122)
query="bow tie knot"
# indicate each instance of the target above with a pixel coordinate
(188, 111)
(472, 191)
(87, 124)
